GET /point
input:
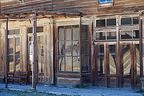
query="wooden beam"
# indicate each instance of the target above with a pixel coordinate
(6, 55)
(34, 75)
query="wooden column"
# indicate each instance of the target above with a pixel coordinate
(6, 55)
(141, 46)
(34, 75)
(80, 40)
(54, 53)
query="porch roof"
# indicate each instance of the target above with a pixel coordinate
(40, 14)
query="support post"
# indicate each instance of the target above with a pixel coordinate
(34, 75)
(6, 55)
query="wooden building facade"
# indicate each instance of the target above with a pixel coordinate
(89, 42)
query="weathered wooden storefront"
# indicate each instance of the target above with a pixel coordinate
(98, 43)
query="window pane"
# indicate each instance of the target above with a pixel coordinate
(10, 46)
(68, 48)
(68, 63)
(135, 20)
(126, 34)
(111, 35)
(75, 32)
(30, 30)
(112, 59)
(85, 62)
(61, 48)
(61, 33)
(138, 59)
(11, 32)
(136, 34)
(68, 32)
(17, 31)
(100, 36)
(76, 49)
(61, 63)
(76, 64)
(100, 23)
(84, 31)
(85, 47)
(100, 59)
(39, 29)
(126, 21)
(111, 22)
(126, 59)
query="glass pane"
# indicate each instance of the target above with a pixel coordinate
(75, 32)
(30, 52)
(10, 45)
(68, 32)
(85, 62)
(84, 31)
(138, 59)
(76, 49)
(61, 33)
(61, 63)
(85, 47)
(135, 20)
(126, 59)
(68, 63)
(112, 59)
(101, 36)
(11, 32)
(100, 59)
(126, 21)
(61, 48)
(30, 30)
(39, 29)
(17, 54)
(17, 31)
(111, 35)
(136, 34)
(100, 23)
(126, 34)
(76, 64)
(68, 48)
(111, 22)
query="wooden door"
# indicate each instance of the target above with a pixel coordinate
(105, 64)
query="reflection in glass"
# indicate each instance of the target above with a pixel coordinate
(68, 48)
(76, 51)
(17, 54)
(100, 36)
(126, 35)
(68, 63)
(137, 59)
(61, 33)
(75, 31)
(68, 32)
(100, 59)
(126, 59)
(111, 35)
(112, 59)
(76, 64)
(61, 63)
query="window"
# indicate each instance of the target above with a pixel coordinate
(106, 22)
(134, 34)
(100, 23)
(105, 1)
(105, 36)
(126, 21)
(129, 21)
(13, 32)
(39, 29)
(68, 48)
(111, 22)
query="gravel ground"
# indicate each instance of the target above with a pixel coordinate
(46, 90)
